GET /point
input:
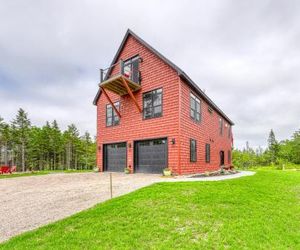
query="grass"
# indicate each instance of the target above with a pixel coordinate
(283, 166)
(287, 167)
(20, 174)
(257, 212)
(5, 176)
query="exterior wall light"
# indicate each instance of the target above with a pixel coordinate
(173, 141)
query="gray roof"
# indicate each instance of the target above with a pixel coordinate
(179, 71)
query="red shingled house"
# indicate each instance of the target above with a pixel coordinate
(151, 115)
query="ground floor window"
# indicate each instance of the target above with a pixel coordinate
(193, 150)
(207, 153)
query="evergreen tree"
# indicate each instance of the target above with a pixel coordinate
(47, 144)
(71, 137)
(36, 148)
(295, 147)
(273, 147)
(56, 144)
(89, 151)
(4, 141)
(21, 127)
(87, 141)
(46, 147)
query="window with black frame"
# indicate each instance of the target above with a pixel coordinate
(229, 157)
(112, 118)
(207, 153)
(221, 126)
(229, 131)
(195, 108)
(193, 150)
(131, 69)
(152, 104)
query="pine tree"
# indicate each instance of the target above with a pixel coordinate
(71, 143)
(3, 142)
(47, 144)
(295, 147)
(21, 127)
(273, 147)
(56, 143)
(46, 147)
(36, 148)
(87, 143)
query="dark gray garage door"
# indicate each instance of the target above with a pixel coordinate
(151, 156)
(115, 157)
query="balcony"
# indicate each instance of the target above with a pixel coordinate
(127, 77)
(119, 85)
(125, 81)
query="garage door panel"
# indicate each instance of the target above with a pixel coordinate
(115, 157)
(151, 156)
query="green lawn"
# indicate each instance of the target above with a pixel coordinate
(19, 174)
(256, 212)
(3, 176)
(287, 167)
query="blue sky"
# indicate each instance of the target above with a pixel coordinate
(244, 54)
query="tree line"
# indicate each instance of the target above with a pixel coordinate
(44, 148)
(281, 154)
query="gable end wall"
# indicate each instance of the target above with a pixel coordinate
(155, 74)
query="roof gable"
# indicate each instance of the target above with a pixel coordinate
(180, 72)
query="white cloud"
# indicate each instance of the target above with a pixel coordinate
(245, 54)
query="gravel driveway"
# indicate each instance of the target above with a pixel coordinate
(30, 202)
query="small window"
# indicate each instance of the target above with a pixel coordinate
(152, 104)
(195, 108)
(229, 157)
(112, 118)
(221, 126)
(229, 131)
(193, 150)
(207, 153)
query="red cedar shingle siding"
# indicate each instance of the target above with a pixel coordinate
(155, 74)
(206, 131)
(174, 123)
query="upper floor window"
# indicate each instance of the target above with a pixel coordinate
(112, 118)
(195, 107)
(221, 126)
(131, 69)
(193, 150)
(229, 131)
(152, 104)
(207, 153)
